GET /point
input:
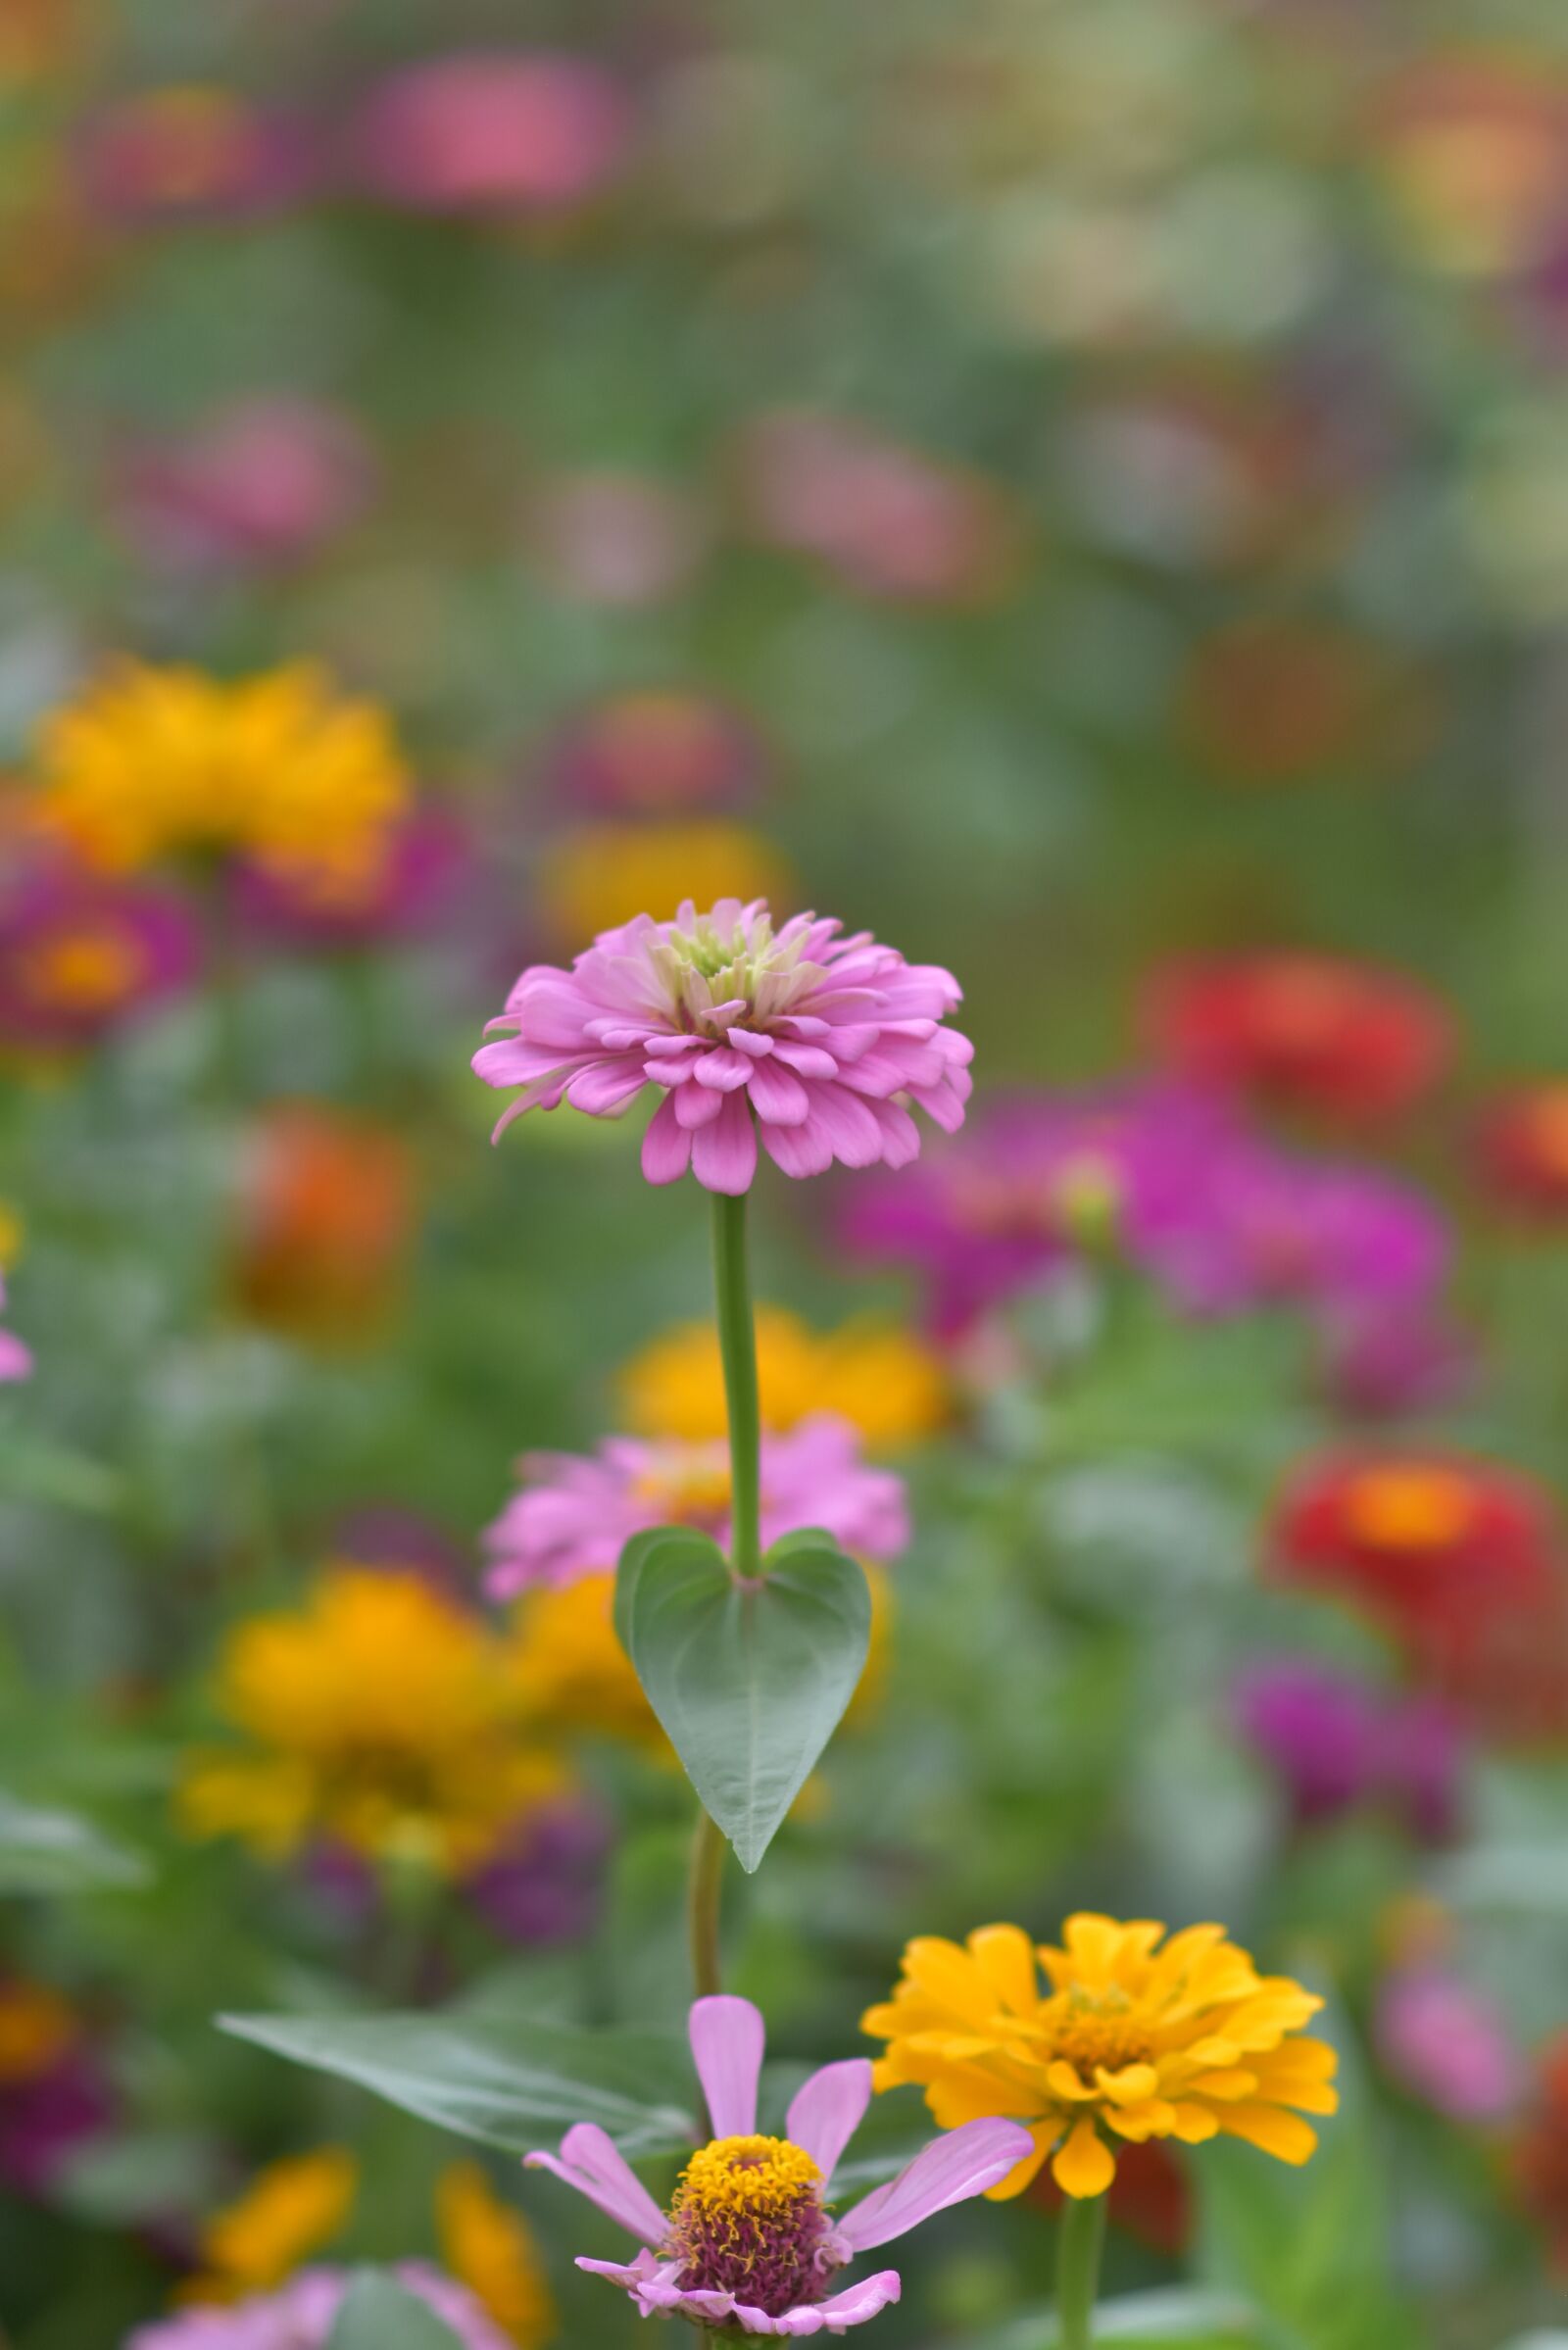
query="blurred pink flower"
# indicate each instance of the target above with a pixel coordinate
(78, 956)
(816, 1040)
(1335, 1741)
(491, 133)
(577, 1512)
(16, 1363)
(261, 484)
(655, 754)
(301, 2316)
(616, 539)
(192, 151)
(406, 888)
(1446, 2044)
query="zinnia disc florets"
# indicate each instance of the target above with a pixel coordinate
(817, 1043)
(749, 2220)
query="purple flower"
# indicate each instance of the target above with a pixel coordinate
(751, 2239)
(577, 1512)
(16, 1363)
(816, 1040)
(483, 132)
(262, 485)
(543, 1885)
(302, 2315)
(78, 956)
(47, 2117)
(1336, 1743)
(1320, 1233)
(1446, 2044)
(405, 890)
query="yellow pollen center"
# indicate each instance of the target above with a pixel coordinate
(1409, 1508)
(86, 970)
(1095, 2033)
(754, 2179)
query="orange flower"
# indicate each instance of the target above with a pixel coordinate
(1307, 1032)
(326, 1219)
(1522, 1150)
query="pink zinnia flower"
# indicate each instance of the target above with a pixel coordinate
(301, 2316)
(260, 485)
(817, 1039)
(492, 132)
(577, 1512)
(751, 2215)
(15, 1361)
(1447, 2043)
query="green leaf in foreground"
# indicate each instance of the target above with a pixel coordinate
(506, 2080)
(378, 2314)
(748, 1680)
(1180, 2319)
(44, 1852)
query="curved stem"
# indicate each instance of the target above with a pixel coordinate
(1081, 2233)
(737, 1341)
(703, 1884)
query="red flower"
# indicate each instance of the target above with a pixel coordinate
(1338, 1038)
(1541, 2154)
(1456, 1560)
(1523, 1150)
(1150, 2197)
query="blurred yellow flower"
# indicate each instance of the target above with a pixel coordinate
(149, 763)
(571, 1671)
(36, 2025)
(601, 875)
(288, 2211)
(379, 1714)
(10, 1236)
(490, 2248)
(1137, 2036)
(873, 1373)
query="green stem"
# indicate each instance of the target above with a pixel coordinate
(1081, 2232)
(737, 1341)
(703, 1888)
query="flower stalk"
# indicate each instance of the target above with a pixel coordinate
(737, 1341)
(1081, 2238)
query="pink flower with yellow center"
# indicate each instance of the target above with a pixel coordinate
(577, 1513)
(79, 955)
(819, 1043)
(752, 2241)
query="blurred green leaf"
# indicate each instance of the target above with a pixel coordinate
(507, 2081)
(377, 2314)
(750, 1681)
(46, 1851)
(1182, 2318)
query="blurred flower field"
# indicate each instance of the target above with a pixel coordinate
(976, 597)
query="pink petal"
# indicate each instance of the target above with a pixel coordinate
(725, 1153)
(952, 2168)
(778, 1095)
(696, 1105)
(847, 1122)
(666, 1146)
(828, 2109)
(860, 2301)
(798, 1151)
(723, 1069)
(807, 1060)
(727, 2040)
(590, 2162)
(605, 1085)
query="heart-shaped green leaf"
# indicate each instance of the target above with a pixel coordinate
(379, 2314)
(502, 2078)
(658, 1541)
(748, 1680)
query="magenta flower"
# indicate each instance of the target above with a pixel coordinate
(261, 485)
(817, 1041)
(301, 2316)
(79, 955)
(577, 1512)
(753, 2215)
(406, 891)
(15, 1361)
(1336, 1743)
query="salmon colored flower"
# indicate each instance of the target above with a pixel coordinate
(752, 2241)
(149, 764)
(815, 1042)
(1522, 1150)
(1132, 2036)
(325, 1221)
(377, 1715)
(883, 1380)
(1540, 2161)
(288, 2211)
(577, 1512)
(598, 876)
(490, 2249)
(1314, 1033)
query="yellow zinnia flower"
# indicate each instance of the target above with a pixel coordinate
(380, 1714)
(571, 1671)
(490, 2248)
(151, 763)
(288, 2211)
(601, 875)
(1134, 2035)
(873, 1372)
